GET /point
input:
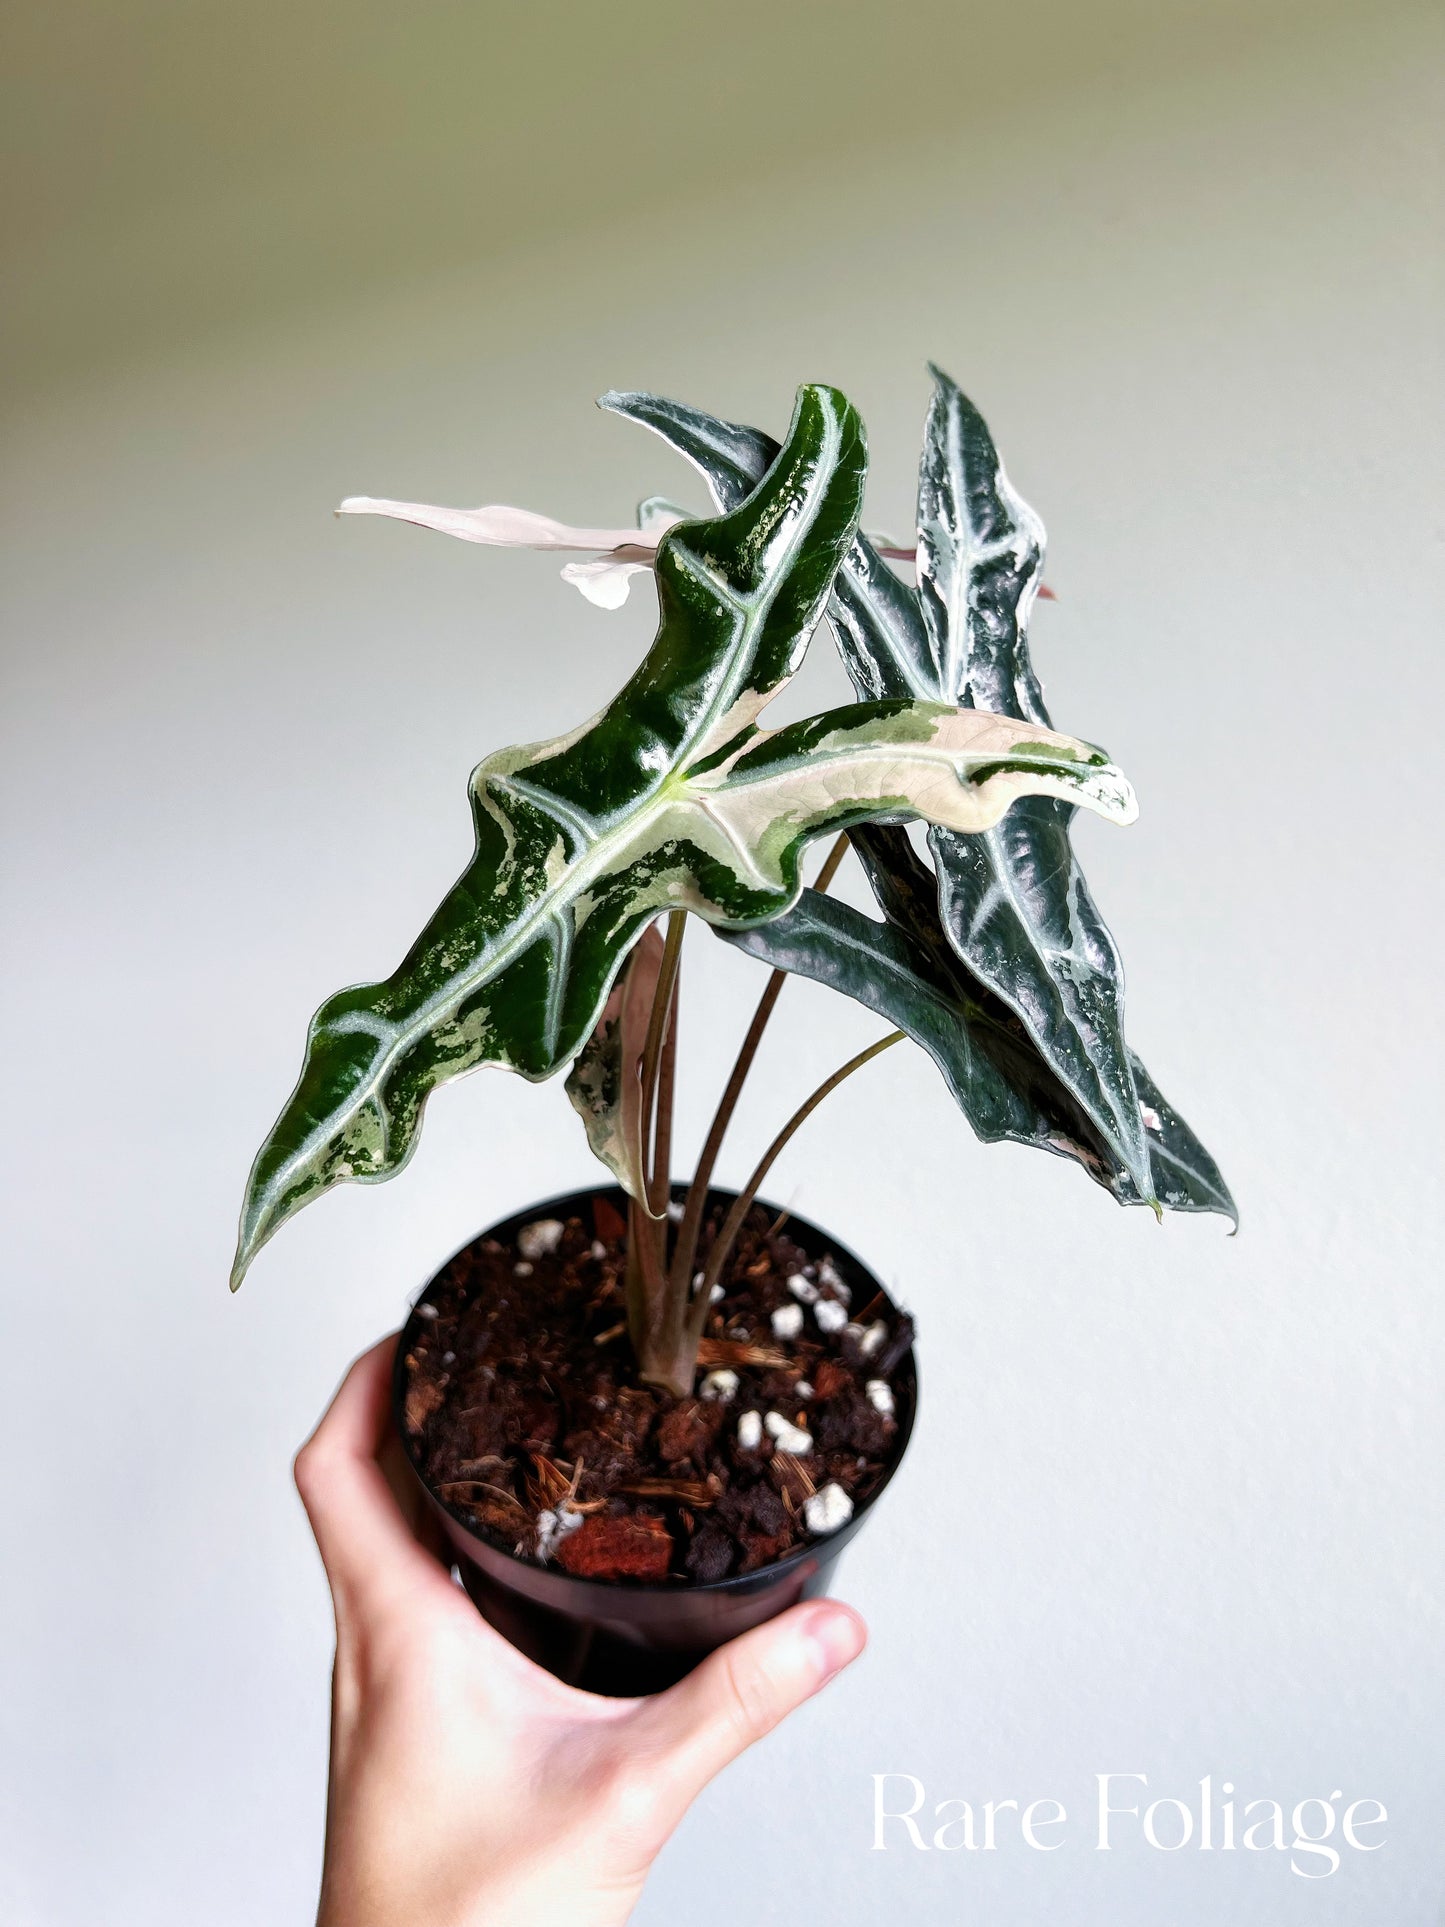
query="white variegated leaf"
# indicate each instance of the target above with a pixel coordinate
(671, 798)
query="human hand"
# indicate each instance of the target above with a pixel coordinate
(467, 1785)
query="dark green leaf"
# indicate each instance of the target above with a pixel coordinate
(580, 841)
(1013, 902)
(905, 971)
(672, 797)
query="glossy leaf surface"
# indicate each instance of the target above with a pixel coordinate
(671, 798)
(1013, 903)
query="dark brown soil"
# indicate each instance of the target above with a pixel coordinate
(521, 1399)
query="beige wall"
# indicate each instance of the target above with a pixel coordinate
(1174, 1505)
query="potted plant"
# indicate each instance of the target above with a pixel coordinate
(649, 1415)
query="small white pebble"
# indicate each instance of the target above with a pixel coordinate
(716, 1295)
(599, 1250)
(803, 1289)
(804, 1390)
(449, 1358)
(750, 1431)
(787, 1321)
(537, 1240)
(675, 1210)
(720, 1386)
(827, 1510)
(830, 1315)
(552, 1526)
(522, 1269)
(880, 1396)
(828, 1274)
(426, 1311)
(873, 1338)
(787, 1436)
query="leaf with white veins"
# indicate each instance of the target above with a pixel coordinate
(906, 971)
(671, 798)
(1185, 1177)
(880, 630)
(1014, 903)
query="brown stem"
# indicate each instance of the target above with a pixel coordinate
(685, 1256)
(661, 1167)
(646, 1288)
(652, 1319)
(656, 1028)
(733, 1223)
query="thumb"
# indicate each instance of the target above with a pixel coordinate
(743, 1690)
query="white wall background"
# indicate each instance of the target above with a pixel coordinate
(1175, 1501)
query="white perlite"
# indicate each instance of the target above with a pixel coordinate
(552, 1526)
(540, 1239)
(825, 1511)
(873, 1338)
(804, 1390)
(521, 1269)
(675, 1211)
(787, 1321)
(828, 1275)
(830, 1315)
(719, 1386)
(426, 1311)
(750, 1431)
(787, 1436)
(715, 1296)
(803, 1289)
(880, 1396)
(599, 1250)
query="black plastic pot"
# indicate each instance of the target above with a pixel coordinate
(625, 1638)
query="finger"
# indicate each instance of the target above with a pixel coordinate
(366, 1544)
(741, 1692)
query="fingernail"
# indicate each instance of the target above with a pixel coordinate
(836, 1636)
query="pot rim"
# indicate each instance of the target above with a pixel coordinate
(906, 1369)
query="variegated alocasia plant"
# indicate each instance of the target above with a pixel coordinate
(547, 951)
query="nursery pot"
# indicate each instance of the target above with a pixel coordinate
(630, 1637)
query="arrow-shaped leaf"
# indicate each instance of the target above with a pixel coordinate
(1016, 906)
(671, 798)
(880, 629)
(904, 971)
(1184, 1176)
(577, 840)
(1014, 903)
(985, 1059)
